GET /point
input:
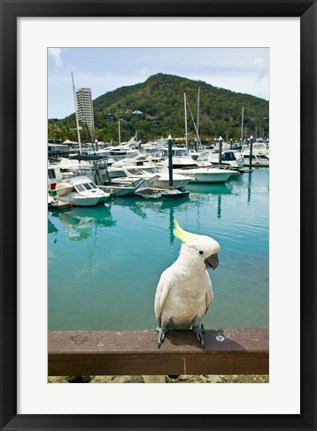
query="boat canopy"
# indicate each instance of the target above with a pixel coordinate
(87, 157)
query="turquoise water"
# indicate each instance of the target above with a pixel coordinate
(104, 262)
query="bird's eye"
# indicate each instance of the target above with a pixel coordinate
(201, 252)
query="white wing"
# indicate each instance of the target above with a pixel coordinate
(162, 291)
(209, 298)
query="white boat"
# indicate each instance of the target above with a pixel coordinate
(258, 160)
(175, 194)
(181, 158)
(63, 189)
(208, 175)
(122, 169)
(258, 149)
(231, 158)
(162, 192)
(260, 154)
(81, 191)
(50, 200)
(56, 204)
(151, 151)
(81, 165)
(200, 157)
(122, 151)
(126, 186)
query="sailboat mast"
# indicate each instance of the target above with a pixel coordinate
(242, 124)
(119, 132)
(195, 126)
(198, 107)
(185, 108)
(76, 112)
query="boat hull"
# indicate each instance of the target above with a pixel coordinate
(176, 195)
(208, 176)
(79, 201)
(104, 198)
(177, 183)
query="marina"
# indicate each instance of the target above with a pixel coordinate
(88, 178)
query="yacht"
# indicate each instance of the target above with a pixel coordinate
(231, 158)
(80, 191)
(181, 158)
(127, 186)
(258, 148)
(207, 174)
(122, 169)
(258, 160)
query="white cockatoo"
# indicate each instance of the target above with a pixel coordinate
(184, 292)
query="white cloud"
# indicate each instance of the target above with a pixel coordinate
(262, 67)
(56, 54)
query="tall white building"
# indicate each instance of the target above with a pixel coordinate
(85, 109)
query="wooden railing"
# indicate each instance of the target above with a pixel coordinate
(228, 351)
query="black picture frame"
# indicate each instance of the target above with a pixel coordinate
(10, 11)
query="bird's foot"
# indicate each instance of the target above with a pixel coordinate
(199, 332)
(161, 337)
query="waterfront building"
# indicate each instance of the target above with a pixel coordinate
(85, 107)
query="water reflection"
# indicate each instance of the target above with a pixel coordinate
(141, 207)
(236, 179)
(219, 208)
(81, 223)
(249, 187)
(137, 205)
(171, 226)
(51, 227)
(215, 189)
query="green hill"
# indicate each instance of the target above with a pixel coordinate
(160, 102)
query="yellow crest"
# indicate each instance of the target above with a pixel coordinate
(181, 234)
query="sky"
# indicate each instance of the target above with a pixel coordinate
(243, 70)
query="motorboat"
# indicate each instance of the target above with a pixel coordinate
(127, 186)
(207, 174)
(124, 168)
(71, 167)
(231, 158)
(258, 149)
(175, 194)
(258, 160)
(122, 151)
(181, 158)
(80, 191)
(56, 204)
(162, 192)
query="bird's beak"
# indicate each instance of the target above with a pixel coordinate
(212, 261)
